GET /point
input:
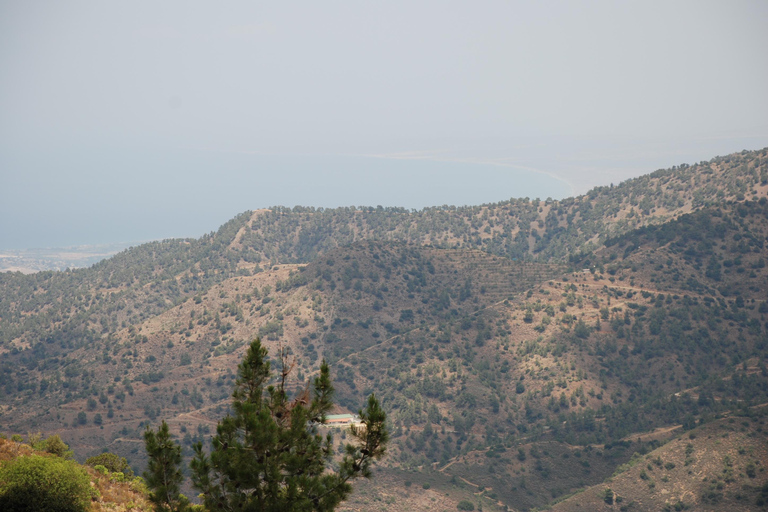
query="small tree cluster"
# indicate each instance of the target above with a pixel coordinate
(269, 455)
(111, 462)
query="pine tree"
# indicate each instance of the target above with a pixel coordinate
(269, 455)
(163, 475)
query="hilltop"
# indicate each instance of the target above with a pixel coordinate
(523, 350)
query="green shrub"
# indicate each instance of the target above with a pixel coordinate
(56, 446)
(113, 463)
(44, 484)
(139, 485)
(101, 469)
(465, 505)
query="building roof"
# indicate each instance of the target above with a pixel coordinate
(340, 417)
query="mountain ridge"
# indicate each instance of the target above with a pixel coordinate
(499, 351)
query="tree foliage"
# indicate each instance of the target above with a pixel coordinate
(269, 454)
(44, 484)
(113, 463)
(163, 475)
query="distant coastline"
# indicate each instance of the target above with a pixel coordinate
(29, 261)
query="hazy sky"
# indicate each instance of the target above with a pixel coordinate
(135, 120)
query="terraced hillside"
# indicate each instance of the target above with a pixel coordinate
(530, 399)
(522, 350)
(686, 473)
(390, 289)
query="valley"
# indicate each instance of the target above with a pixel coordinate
(530, 353)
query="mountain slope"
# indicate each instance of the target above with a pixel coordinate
(518, 228)
(718, 466)
(516, 367)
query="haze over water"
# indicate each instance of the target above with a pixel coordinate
(125, 122)
(208, 188)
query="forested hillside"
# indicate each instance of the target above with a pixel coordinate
(523, 350)
(518, 228)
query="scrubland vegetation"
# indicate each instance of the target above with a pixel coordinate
(525, 352)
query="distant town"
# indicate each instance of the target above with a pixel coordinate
(28, 261)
